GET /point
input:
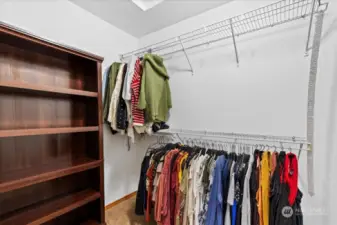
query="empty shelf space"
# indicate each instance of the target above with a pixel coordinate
(52, 170)
(21, 86)
(43, 212)
(43, 131)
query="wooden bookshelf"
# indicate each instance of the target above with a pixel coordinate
(26, 87)
(49, 210)
(45, 131)
(51, 132)
(56, 169)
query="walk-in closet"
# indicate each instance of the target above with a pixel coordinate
(162, 112)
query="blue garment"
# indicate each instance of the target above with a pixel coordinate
(215, 205)
(234, 207)
(105, 77)
(223, 200)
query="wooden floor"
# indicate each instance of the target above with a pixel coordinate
(124, 214)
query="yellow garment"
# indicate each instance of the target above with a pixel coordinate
(263, 191)
(180, 173)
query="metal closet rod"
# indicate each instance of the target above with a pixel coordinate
(238, 136)
(203, 142)
(271, 15)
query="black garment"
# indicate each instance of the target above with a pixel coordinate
(254, 186)
(142, 193)
(122, 114)
(226, 187)
(241, 174)
(275, 188)
(287, 214)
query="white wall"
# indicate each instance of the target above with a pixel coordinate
(266, 94)
(65, 22)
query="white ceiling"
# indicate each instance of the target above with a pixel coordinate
(127, 16)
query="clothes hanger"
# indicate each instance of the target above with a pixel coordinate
(299, 153)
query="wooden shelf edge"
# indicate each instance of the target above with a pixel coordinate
(39, 178)
(44, 131)
(54, 208)
(12, 30)
(46, 89)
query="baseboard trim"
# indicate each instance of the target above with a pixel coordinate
(120, 200)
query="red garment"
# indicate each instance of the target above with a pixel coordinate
(291, 176)
(166, 177)
(137, 114)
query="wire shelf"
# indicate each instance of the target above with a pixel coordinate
(271, 15)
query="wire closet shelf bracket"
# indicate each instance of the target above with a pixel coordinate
(269, 16)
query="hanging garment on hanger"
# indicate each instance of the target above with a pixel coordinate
(289, 206)
(105, 81)
(263, 192)
(137, 114)
(141, 193)
(246, 210)
(275, 192)
(155, 94)
(128, 78)
(110, 86)
(112, 117)
(254, 187)
(199, 190)
(215, 205)
(126, 95)
(122, 113)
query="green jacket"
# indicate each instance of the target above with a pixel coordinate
(155, 94)
(110, 86)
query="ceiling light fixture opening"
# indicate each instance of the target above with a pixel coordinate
(147, 4)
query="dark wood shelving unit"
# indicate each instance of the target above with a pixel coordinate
(44, 88)
(49, 210)
(51, 132)
(44, 131)
(61, 168)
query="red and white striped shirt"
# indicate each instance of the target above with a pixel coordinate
(137, 114)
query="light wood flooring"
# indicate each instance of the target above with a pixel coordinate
(124, 214)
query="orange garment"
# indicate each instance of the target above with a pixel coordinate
(264, 189)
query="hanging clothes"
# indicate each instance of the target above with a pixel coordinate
(138, 114)
(109, 88)
(155, 94)
(126, 94)
(115, 97)
(122, 112)
(185, 185)
(263, 192)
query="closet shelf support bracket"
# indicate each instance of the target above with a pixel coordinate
(322, 7)
(188, 59)
(234, 42)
